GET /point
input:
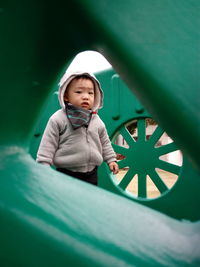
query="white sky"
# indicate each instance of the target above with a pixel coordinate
(89, 61)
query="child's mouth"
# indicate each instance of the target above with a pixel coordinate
(85, 104)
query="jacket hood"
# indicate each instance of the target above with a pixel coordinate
(68, 77)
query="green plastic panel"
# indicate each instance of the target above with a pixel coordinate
(158, 46)
(142, 157)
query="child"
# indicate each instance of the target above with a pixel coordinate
(75, 140)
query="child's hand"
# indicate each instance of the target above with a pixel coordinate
(114, 167)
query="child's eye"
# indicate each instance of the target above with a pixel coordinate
(91, 93)
(78, 92)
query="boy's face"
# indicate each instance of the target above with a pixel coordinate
(80, 93)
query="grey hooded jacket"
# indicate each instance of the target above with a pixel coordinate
(77, 150)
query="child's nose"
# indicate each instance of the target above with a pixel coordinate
(85, 96)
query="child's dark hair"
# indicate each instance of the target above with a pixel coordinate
(82, 76)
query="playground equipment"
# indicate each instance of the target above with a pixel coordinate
(49, 219)
(142, 156)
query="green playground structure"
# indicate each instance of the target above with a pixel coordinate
(50, 219)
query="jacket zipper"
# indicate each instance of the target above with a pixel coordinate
(89, 152)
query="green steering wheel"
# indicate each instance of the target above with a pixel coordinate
(142, 159)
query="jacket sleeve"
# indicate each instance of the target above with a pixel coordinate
(109, 154)
(49, 143)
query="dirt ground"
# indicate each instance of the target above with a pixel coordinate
(152, 192)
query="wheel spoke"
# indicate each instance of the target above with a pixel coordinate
(119, 149)
(156, 135)
(165, 149)
(141, 126)
(142, 185)
(122, 164)
(166, 166)
(127, 178)
(158, 181)
(125, 133)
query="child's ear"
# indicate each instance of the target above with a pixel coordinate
(65, 96)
